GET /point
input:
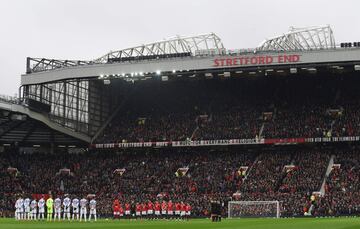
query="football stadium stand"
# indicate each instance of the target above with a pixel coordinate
(186, 119)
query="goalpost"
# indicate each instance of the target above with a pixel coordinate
(254, 209)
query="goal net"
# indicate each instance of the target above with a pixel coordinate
(253, 209)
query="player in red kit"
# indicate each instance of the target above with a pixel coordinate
(121, 211)
(177, 210)
(116, 209)
(144, 210)
(150, 209)
(138, 210)
(163, 209)
(157, 210)
(170, 209)
(127, 210)
(183, 210)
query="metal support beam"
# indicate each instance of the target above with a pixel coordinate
(11, 128)
(64, 102)
(77, 104)
(33, 127)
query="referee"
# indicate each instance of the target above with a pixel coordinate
(215, 211)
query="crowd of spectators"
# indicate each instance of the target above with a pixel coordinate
(148, 176)
(307, 174)
(157, 112)
(209, 109)
(287, 176)
(348, 116)
(237, 109)
(342, 190)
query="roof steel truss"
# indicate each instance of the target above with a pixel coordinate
(300, 39)
(175, 45)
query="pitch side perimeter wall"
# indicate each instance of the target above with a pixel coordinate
(196, 63)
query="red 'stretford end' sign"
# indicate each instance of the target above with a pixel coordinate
(256, 60)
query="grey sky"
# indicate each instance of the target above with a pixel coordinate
(87, 29)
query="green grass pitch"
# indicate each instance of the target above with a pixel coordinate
(308, 223)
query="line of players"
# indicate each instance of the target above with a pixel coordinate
(26, 209)
(150, 210)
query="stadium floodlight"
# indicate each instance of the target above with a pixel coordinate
(293, 70)
(254, 209)
(173, 71)
(158, 72)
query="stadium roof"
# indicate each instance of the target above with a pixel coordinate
(301, 39)
(16, 128)
(173, 47)
(296, 39)
(178, 45)
(20, 124)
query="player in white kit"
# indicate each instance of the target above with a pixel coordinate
(21, 208)
(27, 208)
(17, 209)
(41, 205)
(33, 209)
(57, 208)
(66, 205)
(83, 208)
(92, 205)
(75, 208)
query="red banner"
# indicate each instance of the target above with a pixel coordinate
(284, 141)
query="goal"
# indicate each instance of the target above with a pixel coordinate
(253, 209)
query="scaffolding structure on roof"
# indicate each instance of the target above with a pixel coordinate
(177, 45)
(301, 39)
(296, 39)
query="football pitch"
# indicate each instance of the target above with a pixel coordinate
(308, 223)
